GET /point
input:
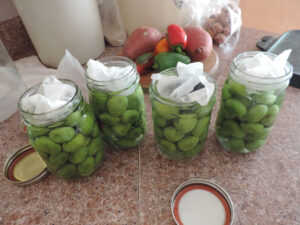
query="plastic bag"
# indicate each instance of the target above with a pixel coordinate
(112, 24)
(220, 18)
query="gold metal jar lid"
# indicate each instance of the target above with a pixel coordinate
(25, 167)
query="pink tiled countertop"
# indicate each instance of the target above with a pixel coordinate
(135, 186)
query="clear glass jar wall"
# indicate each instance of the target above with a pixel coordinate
(180, 129)
(68, 139)
(122, 113)
(249, 106)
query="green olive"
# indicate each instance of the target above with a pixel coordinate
(201, 126)
(50, 167)
(265, 98)
(31, 142)
(236, 88)
(256, 113)
(96, 131)
(109, 119)
(78, 156)
(87, 108)
(45, 144)
(96, 146)
(43, 155)
(158, 131)
(252, 128)
(226, 92)
(260, 135)
(128, 143)
(273, 110)
(67, 171)
(188, 143)
(130, 116)
(117, 105)
(98, 101)
(87, 123)
(171, 134)
(98, 157)
(280, 98)
(62, 134)
(142, 123)
(159, 121)
(226, 114)
(233, 129)
(203, 136)
(121, 129)
(188, 115)
(34, 131)
(244, 99)
(87, 167)
(87, 141)
(220, 118)
(268, 120)
(75, 144)
(236, 144)
(136, 99)
(222, 131)
(73, 119)
(59, 159)
(56, 125)
(185, 124)
(254, 145)
(164, 110)
(235, 107)
(108, 133)
(167, 145)
(134, 133)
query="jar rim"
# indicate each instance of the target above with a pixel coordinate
(113, 59)
(172, 72)
(30, 91)
(253, 53)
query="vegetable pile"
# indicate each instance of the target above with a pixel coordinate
(151, 50)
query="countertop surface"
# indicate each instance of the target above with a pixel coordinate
(136, 186)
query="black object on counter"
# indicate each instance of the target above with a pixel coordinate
(288, 40)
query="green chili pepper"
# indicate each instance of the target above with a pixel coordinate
(167, 60)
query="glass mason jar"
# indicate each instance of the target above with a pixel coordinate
(180, 129)
(68, 139)
(121, 113)
(249, 106)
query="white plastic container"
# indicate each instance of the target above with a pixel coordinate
(56, 25)
(11, 85)
(153, 13)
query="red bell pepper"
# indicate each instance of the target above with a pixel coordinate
(144, 63)
(177, 38)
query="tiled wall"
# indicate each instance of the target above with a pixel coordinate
(7, 10)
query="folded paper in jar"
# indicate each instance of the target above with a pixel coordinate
(261, 65)
(52, 94)
(112, 74)
(185, 87)
(70, 68)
